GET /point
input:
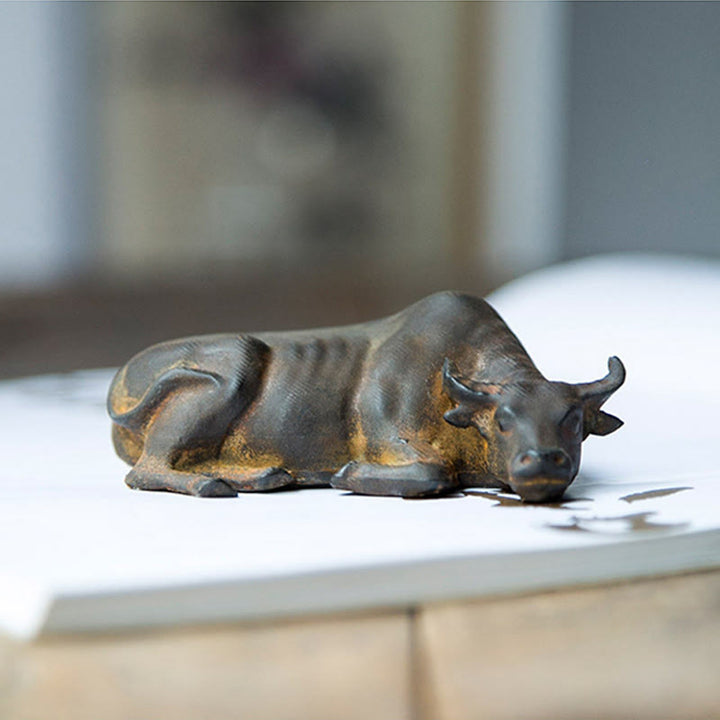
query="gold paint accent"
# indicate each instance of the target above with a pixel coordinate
(544, 481)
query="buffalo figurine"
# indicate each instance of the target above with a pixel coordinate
(438, 397)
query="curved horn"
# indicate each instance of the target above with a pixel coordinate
(464, 394)
(601, 390)
(455, 389)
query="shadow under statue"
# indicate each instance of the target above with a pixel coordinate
(438, 397)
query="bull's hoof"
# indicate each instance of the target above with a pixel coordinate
(414, 480)
(134, 481)
(260, 480)
(214, 488)
(179, 482)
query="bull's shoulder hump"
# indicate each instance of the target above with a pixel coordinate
(454, 301)
(454, 306)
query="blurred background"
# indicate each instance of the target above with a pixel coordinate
(179, 167)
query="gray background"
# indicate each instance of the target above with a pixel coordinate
(643, 148)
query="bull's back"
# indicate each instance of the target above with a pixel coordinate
(303, 415)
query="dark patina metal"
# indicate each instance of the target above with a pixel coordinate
(435, 398)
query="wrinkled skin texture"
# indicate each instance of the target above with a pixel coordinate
(435, 398)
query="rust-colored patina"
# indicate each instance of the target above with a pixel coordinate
(437, 397)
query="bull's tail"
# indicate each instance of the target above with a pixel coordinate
(136, 417)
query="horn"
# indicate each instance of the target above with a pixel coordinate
(455, 389)
(600, 390)
(462, 393)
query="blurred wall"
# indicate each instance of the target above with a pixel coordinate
(244, 136)
(521, 193)
(644, 128)
(177, 168)
(47, 143)
(420, 143)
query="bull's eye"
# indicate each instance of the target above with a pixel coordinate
(504, 419)
(573, 422)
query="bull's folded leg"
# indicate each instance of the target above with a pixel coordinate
(185, 415)
(256, 479)
(194, 421)
(225, 484)
(141, 478)
(416, 479)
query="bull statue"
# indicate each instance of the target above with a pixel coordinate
(438, 397)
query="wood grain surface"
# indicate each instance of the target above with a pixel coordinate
(646, 649)
(319, 669)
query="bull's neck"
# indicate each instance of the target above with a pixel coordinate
(499, 358)
(506, 370)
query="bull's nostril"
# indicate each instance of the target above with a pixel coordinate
(560, 459)
(525, 459)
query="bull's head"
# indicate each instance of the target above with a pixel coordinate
(534, 428)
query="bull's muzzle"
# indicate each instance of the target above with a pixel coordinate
(541, 475)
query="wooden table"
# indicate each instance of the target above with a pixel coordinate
(648, 649)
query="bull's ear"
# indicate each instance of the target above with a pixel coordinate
(599, 422)
(461, 416)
